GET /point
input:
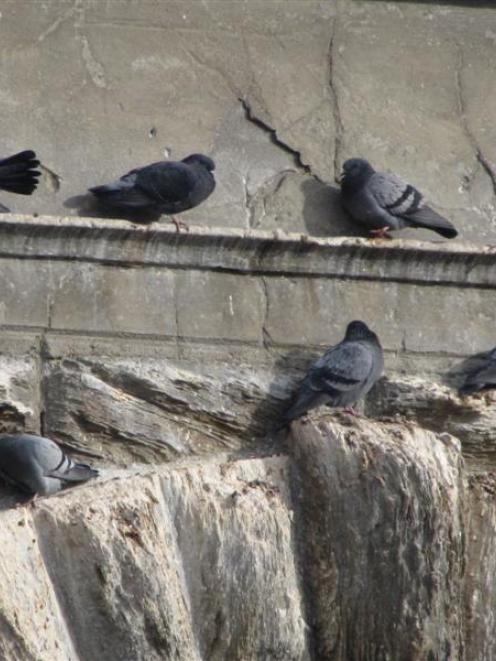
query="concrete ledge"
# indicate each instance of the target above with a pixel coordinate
(254, 251)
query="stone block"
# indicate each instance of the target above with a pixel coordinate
(219, 306)
(96, 298)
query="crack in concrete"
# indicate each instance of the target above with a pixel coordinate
(462, 111)
(267, 340)
(338, 122)
(251, 117)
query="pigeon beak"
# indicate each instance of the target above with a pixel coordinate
(341, 177)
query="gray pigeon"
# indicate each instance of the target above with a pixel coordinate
(479, 373)
(37, 465)
(382, 201)
(166, 187)
(18, 173)
(343, 375)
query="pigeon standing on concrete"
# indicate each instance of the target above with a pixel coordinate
(18, 173)
(479, 373)
(382, 201)
(37, 465)
(343, 375)
(166, 187)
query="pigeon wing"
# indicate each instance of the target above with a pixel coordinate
(402, 200)
(165, 183)
(481, 369)
(394, 195)
(342, 368)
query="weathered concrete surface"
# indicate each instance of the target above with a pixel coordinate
(103, 278)
(142, 344)
(384, 547)
(278, 108)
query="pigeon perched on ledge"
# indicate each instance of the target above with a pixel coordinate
(166, 187)
(38, 466)
(18, 173)
(479, 373)
(343, 375)
(382, 201)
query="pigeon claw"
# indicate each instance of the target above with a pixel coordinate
(179, 224)
(382, 233)
(350, 410)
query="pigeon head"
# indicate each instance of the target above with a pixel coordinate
(200, 159)
(357, 330)
(356, 170)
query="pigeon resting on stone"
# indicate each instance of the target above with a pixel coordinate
(479, 373)
(382, 201)
(166, 187)
(37, 465)
(343, 375)
(18, 173)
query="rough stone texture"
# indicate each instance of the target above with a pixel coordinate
(153, 410)
(437, 406)
(20, 393)
(366, 543)
(191, 562)
(279, 108)
(480, 596)
(382, 534)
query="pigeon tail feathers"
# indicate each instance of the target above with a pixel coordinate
(429, 219)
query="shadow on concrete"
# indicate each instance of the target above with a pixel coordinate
(288, 370)
(323, 213)
(87, 206)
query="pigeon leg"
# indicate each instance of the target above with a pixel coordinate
(179, 224)
(350, 410)
(381, 233)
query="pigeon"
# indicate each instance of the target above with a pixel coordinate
(382, 201)
(38, 466)
(479, 373)
(18, 173)
(165, 187)
(343, 375)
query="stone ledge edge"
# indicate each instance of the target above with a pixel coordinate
(128, 244)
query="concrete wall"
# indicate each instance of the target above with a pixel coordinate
(280, 93)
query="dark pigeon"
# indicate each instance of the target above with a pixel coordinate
(343, 375)
(478, 373)
(382, 201)
(38, 466)
(166, 187)
(18, 173)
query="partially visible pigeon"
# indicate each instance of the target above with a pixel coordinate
(382, 201)
(166, 187)
(343, 375)
(38, 466)
(479, 373)
(18, 173)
